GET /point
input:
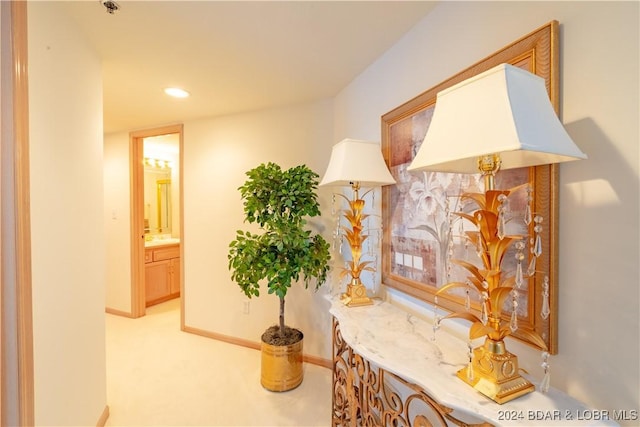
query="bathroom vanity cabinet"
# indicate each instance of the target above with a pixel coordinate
(162, 273)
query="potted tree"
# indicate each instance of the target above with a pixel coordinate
(279, 201)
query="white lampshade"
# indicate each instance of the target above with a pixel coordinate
(505, 111)
(354, 160)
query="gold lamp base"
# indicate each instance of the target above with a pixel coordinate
(356, 295)
(495, 373)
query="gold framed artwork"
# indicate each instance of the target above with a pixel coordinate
(419, 233)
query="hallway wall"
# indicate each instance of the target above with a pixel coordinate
(117, 222)
(217, 153)
(68, 258)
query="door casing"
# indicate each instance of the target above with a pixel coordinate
(136, 156)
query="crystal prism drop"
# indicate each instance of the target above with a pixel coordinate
(546, 382)
(527, 215)
(467, 301)
(501, 225)
(513, 324)
(537, 247)
(436, 318)
(519, 276)
(470, 373)
(546, 309)
(435, 327)
(532, 267)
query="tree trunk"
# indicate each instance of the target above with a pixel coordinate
(282, 316)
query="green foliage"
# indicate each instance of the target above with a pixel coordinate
(274, 198)
(279, 201)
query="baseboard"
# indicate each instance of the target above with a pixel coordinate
(221, 337)
(102, 421)
(118, 312)
(314, 360)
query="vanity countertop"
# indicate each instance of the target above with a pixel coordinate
(402, 343)
(161, 242)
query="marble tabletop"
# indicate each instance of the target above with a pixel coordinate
(403, 344)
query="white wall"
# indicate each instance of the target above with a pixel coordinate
(117, 222)
(68, 258)
(598, 277)
(217, 153)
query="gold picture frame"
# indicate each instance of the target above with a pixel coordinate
(414, 256)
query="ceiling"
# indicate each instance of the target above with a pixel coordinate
(233, 56)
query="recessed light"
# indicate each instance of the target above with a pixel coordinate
(176, 92)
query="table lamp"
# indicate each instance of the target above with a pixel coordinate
(499, 119)
(356, 164)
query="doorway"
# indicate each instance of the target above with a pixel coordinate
(156, 216)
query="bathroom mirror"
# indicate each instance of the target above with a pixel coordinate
(161, 186)
(157, 200)
(164, 205)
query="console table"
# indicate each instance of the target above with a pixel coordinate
(387, 371)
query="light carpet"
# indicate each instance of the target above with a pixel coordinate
(158, 375)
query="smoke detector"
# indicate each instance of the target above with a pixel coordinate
(110, 5)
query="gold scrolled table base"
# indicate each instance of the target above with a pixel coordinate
(366, 395)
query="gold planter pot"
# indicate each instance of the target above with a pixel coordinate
(281, 368)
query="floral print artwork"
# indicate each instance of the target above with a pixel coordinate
(421, 205)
